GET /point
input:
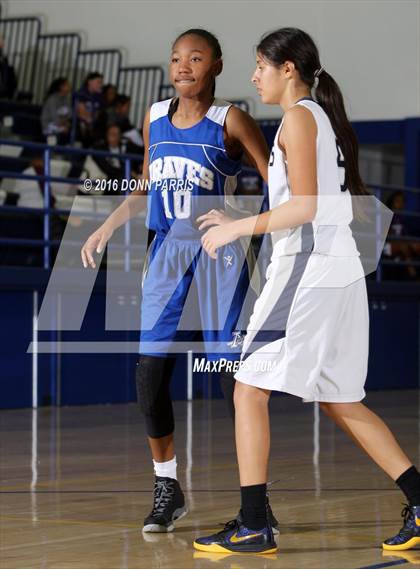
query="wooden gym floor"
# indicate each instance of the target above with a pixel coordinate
(76, 484)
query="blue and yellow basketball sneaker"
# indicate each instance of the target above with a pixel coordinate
(409, 534)
(236, 538)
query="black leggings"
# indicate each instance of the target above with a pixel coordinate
(153, 376)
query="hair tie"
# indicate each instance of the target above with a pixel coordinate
(317, 73)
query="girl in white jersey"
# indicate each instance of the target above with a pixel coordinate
(311, 319)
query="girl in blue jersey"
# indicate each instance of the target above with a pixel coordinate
(311, 318)
(194, 147)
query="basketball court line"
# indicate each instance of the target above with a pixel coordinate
(387, 564)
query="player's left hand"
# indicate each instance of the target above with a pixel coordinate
(216, 237)
(213, 217)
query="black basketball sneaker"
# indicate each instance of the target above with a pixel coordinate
(168, 506)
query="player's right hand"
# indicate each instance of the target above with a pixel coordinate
(96, 242)
(214, 217)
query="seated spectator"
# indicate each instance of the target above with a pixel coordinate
(109, 93)
(8, 81)
(88, 104)
(56, 112)
(112, 166)
(399, 250)
(118, 115)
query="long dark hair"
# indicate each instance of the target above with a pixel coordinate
(55, 86)
(292, 44)
(211, 40)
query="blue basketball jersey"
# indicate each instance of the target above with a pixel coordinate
(189, 169)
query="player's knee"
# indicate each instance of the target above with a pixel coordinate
(248, 394)
(153, 395)
(149, 375)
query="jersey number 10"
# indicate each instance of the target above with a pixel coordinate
(182, 204)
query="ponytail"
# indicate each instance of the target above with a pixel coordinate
(329, 96)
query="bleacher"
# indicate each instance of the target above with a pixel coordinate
(40, 57)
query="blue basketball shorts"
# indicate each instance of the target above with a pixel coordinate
(188, 295)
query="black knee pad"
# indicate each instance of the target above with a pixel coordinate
(153, 376)
(227, 383)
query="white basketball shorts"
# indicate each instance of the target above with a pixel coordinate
(309, 331)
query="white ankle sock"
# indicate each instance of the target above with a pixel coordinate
(166, 469)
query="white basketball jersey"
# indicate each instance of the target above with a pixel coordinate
(329, 233)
